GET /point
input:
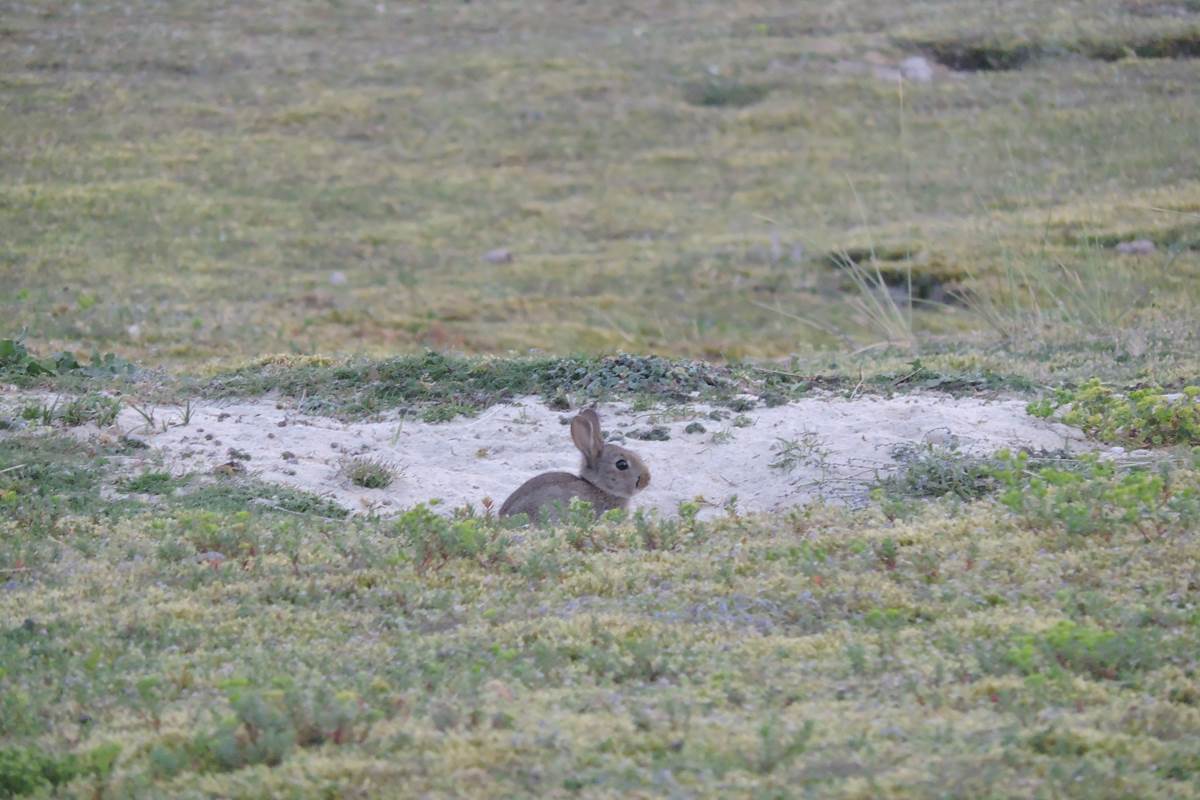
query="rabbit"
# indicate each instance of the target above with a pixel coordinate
(609, 477)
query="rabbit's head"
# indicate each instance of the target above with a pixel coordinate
(608, 467)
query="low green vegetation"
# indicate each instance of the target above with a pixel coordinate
(442, 386)
(1145, 417)
(17, 363)
(1096, 497)
(369, 473)
(933, 471)
(433, 208)
(49, 483)
(26, 771)
(738, 655)
(151, 483)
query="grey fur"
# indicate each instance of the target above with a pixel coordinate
(599, 481)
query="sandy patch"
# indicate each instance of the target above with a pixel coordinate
(840, 447)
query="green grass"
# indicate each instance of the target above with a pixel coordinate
(180, 193)
(157, 483)
(46, 478)
(369, 473)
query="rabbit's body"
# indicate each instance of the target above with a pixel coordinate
(557, 487)
(609, 477)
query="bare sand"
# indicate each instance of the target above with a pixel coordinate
(838, 448)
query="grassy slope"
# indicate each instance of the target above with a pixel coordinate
(195, 173)
(198, 171)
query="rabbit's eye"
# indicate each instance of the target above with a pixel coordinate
(622, 464)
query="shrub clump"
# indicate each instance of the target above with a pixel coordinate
(265, 728)
(26, 771)
(436, 540)
(369, 473)
(1096, 497)
(933, 471)
(1094, 652)
(1141, 418)
(16, 360)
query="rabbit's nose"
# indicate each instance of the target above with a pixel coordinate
(643, 480)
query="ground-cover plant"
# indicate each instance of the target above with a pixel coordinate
(100, 409)
(1139, 418)
(27, 771)
(805, 450)
(445, 385)
(745, 651)
(1091, 496)
(16, 361)
(435, 540)
(44, 481)
(1100, 654)
(152, 482)
(238, 494)
(930, 470)
(369, 473)
(265, 727)
(73, 411)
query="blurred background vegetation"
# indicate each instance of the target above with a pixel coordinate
(198, 184)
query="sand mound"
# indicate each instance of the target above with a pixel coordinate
(834, 447)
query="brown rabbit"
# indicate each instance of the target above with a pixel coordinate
(609, 477)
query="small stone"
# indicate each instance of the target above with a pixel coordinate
(1136, 247)
(288, 455)
(337, 278)
(916, 69)
(940, 437)
(224, 415)
(500, 255)
(281, 424)
(695, 427)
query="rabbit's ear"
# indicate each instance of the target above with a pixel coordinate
(585, 431)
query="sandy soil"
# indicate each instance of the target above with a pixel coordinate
(840, 447)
